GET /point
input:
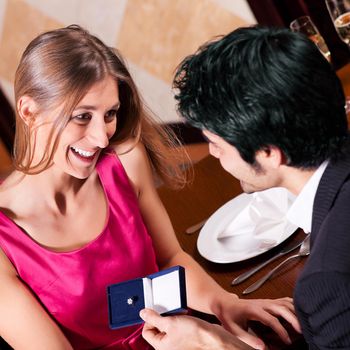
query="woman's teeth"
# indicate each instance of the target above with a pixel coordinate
(83, 153)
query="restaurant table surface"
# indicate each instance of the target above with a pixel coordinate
(210, 188)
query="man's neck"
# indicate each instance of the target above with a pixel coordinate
(294, 179)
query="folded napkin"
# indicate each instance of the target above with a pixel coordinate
(264, 218)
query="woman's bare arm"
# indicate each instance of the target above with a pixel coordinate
(24, 323)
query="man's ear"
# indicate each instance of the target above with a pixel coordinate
(27, 109)
(270, 156)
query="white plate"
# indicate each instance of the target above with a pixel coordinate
(242, 246)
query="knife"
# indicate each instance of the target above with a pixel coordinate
(196, 227)
(290, 247)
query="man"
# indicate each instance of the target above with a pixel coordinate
(272, 109)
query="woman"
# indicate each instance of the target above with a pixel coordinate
(80, 211)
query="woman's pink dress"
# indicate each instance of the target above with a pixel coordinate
(72, 285)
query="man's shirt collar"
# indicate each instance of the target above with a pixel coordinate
(300, 213)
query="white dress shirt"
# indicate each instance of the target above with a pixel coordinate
(300, 213)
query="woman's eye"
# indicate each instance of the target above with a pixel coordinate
(82, 118)
(111, 115)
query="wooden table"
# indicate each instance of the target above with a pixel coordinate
(210, 189)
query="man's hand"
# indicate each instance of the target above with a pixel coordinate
(186, 333)
(235, 313)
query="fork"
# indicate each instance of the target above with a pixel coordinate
(196, 227)
(303, 251)
(287, 249)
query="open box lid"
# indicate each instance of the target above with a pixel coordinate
(164, 292)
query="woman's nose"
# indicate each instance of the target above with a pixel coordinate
(98, 135)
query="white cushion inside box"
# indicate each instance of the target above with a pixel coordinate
(162, 293)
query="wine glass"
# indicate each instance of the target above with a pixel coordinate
(339, 11)
(305, 25)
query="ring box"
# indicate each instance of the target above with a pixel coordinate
(163, 291)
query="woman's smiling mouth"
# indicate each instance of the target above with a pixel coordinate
(86, 156)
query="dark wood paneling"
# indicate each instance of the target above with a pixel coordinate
(7, 122)
(282, 12)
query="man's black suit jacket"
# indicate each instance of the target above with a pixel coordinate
(322, 293)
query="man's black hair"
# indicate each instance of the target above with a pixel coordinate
(258, 87)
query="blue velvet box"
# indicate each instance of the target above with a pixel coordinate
(164, 292)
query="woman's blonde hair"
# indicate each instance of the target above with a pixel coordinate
(57, 69)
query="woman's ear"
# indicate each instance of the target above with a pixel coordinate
(27, 109)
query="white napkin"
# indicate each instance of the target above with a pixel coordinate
(262, 218)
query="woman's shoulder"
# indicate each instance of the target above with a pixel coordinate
(131, 153)
(134, 158)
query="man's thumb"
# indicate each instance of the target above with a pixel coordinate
(151, 317)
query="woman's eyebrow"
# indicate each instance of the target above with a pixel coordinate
(116, 106)
(93, 108)
(85, 107)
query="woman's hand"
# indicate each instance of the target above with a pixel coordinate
(235, 313)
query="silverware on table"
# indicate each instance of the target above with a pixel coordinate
(287, 249)
(196, 227)
(303, 251)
